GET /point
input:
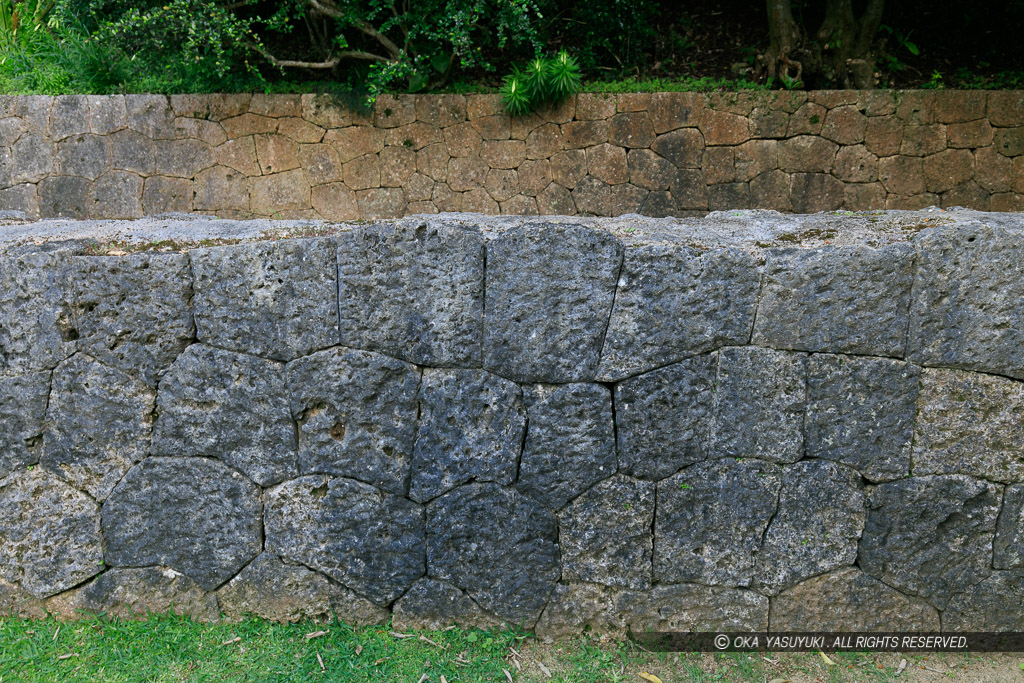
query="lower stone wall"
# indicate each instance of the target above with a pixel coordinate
(656, 154)
(742, 423)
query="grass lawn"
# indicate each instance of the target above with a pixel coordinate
(168, 648)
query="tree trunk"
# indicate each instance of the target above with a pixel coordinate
(838, 56)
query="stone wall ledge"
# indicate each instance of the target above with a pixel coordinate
(749, 421)
(657, 154)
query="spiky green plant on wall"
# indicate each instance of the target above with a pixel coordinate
(545, 80)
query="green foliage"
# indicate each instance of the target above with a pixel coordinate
(703, 84)
(544, 81)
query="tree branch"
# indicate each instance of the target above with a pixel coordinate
(326, 64)
(328, 8)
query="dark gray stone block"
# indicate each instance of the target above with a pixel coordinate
(968, 307)
(36, 328)
(992, 605)
(816, 528)
(693, 608)
(1009, 541)
(471, 427)
(135, 594)
(847, 599)
(270, 589)
(836, 299)
(432, 605)
(413, 291)
(711, 521)
(860, 412)
(970, 423)
(570, 441)
(22, 409)
(677, 302)
(605, 534)
(153, 518)
(133, 312)
(759, 404)
(664, 417)
(498, 545)
(275, 299)
(930, 536)
(98, 424)
(50, 537)
(369, 541)
(229, 406)
(357, 415)
(555, 337)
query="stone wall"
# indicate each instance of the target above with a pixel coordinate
(741, 422)
(678, 154)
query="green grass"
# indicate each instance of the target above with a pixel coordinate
(169, 648)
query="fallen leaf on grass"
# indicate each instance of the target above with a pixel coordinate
(901, 667)
(649, 677)
(424, 677)
(828, 661)
(231, 642)
(547, 671)
(68, 655)
(321, 660)
(779, 680)
(315, 634)
(428, 640)
(359, 649)
(395, 634)
(507, 675)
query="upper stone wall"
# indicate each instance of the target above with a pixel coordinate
(660, 154)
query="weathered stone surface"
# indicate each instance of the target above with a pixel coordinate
(17, 602)
(768, 123)
(711, 520)
(36, 328)
(647, 169)
(806, 120)
(151, 518)
(50, 539)
(663, 417)
(385, 202)
(229, 406)
(608, 163)
(150, 115)
(135, 594)
(498, 545)
(860, 412)
(185, 158)
(594, 106)
(501, 185)
(22, 198)
(116, 194)
(371, 542)
(966, 308)
(838, 299)
(969, 423)
(248, 124)
(569, 168)
(471, 427)
(844, 125)
(814, 192)
(22, 409)
(605, 534)
(1009, 541)
(99, 421)
(133, 312)
(557, 339)
(414, 292)
(806, 154)
(64, 197)
(272, 194)
(672, 303)
(847, 599)
(919, 141)
(632, 130)
(355, 141)
(166, 195)
(883, 136)
(570, 441)
(357, 415)
(930, 536)
(855, 164)
(816, 528)
(719, 164)
(759, 404)
(947, 169)
(992, 605)
(969, 135)
(592, 197)
(492, 127)
(478, 201)
(240, 154)
(693, 608)
(432, 605)
(864, 196)
(221, 189)
(724, 128)
(671, 110)
(107, 114)
(466, 173)
(131, 151)
(772, 190)
(83, 155)
(581, 607)
(270, 589)
(275, 299)
(684, 148)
